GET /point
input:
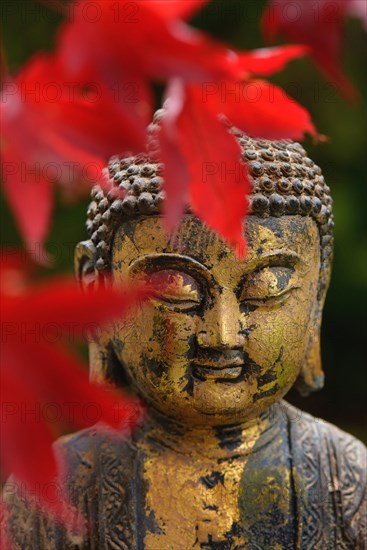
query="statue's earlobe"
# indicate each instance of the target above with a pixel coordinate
(311, 377)
(88, 278)
(84, 265)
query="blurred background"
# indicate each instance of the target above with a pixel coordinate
(28, 26)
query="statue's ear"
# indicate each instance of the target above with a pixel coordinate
(88, 278)
(311, 377)
(85, 265)
(103, 365)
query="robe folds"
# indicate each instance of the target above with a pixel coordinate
(327, 492)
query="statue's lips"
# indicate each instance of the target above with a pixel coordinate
(223, 370)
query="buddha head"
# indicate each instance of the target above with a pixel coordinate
(224, 338)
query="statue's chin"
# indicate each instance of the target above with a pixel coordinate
(212, 404)
(209, 395)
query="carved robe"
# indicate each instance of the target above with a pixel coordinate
(325, 495)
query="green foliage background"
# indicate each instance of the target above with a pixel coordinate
(28, 26)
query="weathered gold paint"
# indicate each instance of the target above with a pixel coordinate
(187, 512)
(274, 332)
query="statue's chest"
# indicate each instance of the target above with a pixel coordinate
(219, 504)
(190, 503)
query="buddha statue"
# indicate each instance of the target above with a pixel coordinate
(221, 461)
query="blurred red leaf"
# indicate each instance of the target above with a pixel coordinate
(144, 38)
(126, 44)
(38, 371)
(266, 61)
(217, 185)
(30, 196)
(191, 135)
(55, 130)
(260, 109)
(176, 174)
(319, 25)
(176, 9)
(65, 114)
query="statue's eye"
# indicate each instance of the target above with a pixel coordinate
(175, 287)
(267, 284)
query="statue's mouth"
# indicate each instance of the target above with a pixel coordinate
(224, 371)
(218, 364)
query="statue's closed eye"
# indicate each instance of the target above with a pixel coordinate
(268, 283)
(175, 287)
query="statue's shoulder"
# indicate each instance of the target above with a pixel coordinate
(87, 444)
(92, 455)
(331, 472)
(345, 447)
(95, 465)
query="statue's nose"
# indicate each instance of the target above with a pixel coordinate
(220, 326)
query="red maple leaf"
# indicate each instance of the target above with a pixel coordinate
(317, 24)
(124, 39)
(215, 183)
(58, 130)
(44, 386)
(202, 160)
(266, 61)
(135, 42)
(65, 114)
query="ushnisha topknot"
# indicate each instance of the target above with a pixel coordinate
(284, 182)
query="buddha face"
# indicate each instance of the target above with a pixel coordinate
(222, 338)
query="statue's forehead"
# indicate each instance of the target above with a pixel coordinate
(147, 235)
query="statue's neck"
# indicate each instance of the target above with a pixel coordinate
(213, 442)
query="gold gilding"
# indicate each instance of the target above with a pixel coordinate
(218, 345)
